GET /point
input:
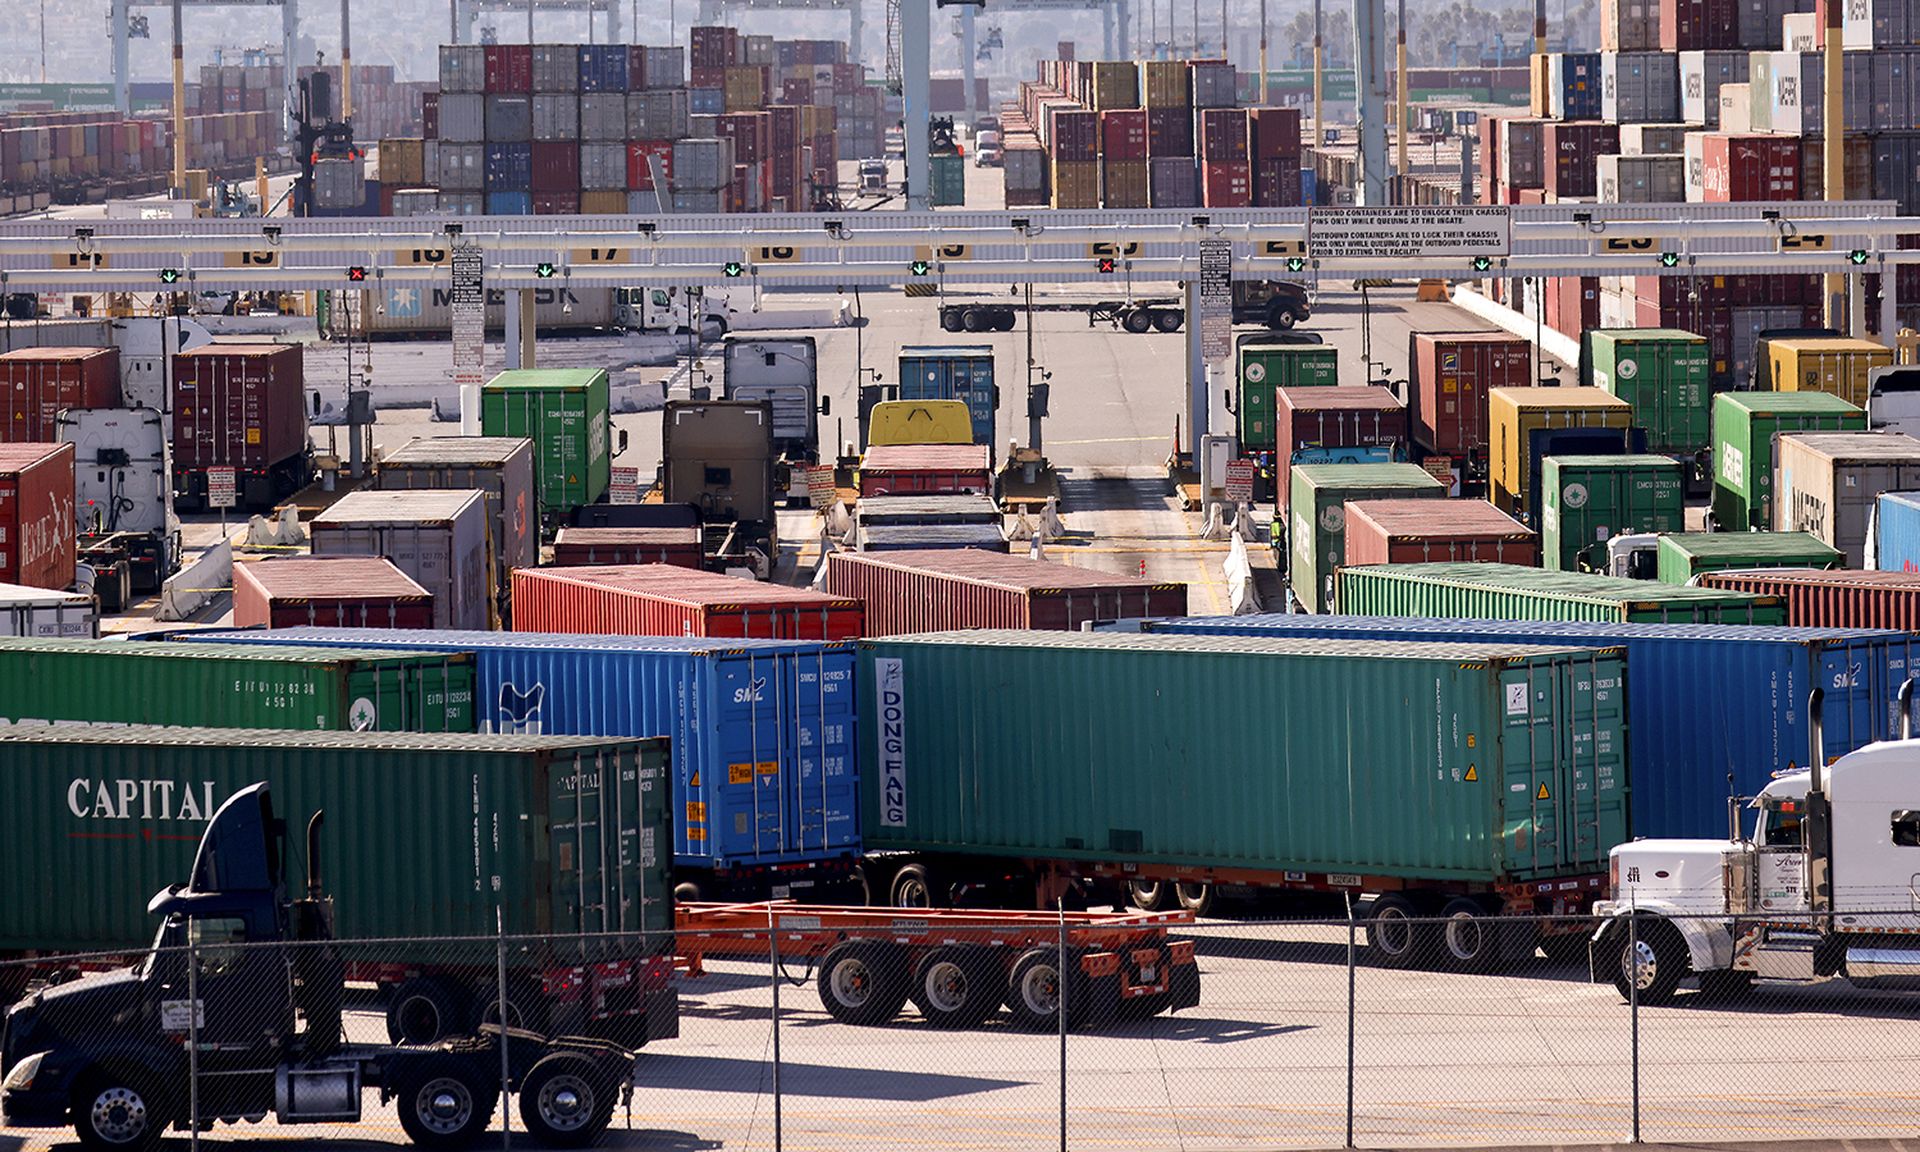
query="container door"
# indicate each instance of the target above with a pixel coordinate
(1861, 680)
(1595, 718)
(753, 813)
(610, 826)
(1534, 770)
(1256, 403)
(825, 781)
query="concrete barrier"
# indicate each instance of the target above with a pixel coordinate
(195, 586)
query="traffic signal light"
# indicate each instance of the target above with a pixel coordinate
(544, 270)
(1482, 263)
(1669, 259)
(1106, 265)
(733, 268)
(356, 273)
(1296, 263)
(1857, 256)
(921, 267)
(169, 275)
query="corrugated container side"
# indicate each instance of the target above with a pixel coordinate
(1744, 427)
(36, 383)
(1683, 555)
(1833, 599)
(1317, 496)
(37, 521)
(501, 467)
(1896, 533)
(1417, 531)
(663, 600)
(584, 547)
(948, 590)
(1586, 501)
(1509, 592)
(46, 613)
(341, 592)
(1826, 483)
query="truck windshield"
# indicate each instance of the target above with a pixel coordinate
(1780, 824)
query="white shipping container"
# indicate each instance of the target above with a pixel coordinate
(1642, 179)
(1789, 91)
(416, 201)
(604, 117)
(1826, 483)
(603, 167)
(1653, 139)
(1736, 108)
(43, 612)
(436, 536)
(702, 165)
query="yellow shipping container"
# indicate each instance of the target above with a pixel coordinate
(1513, 414)
(1539, 101)
(603, 203)
(746, 88)
(1076, 184)
(1116, 84)
(1168, 84)
(403, 163)
(1837, 366)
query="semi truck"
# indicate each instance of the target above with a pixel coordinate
(123, 500)
(1278, 304)
(784, 371)
(1820, 890)
(407, 310)
(242, 996)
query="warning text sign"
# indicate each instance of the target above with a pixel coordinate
(1463, 231)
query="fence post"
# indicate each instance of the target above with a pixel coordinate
(193, 1040)
(1352, 987)
(1065, 982)
(1633, 1005)
(500, 1007)
(773, 953)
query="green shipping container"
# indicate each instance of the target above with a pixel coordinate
(424, 836)
(1510, 592)
(1683, 556)
(1586, 501)
(1663, 373)
(1265, 367)
(947, 181)
(564, 412)
(1317, 524)
(1744, 425)
(223, 686)
(1464, 762)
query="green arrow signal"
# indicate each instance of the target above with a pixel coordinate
(921, 267)
(169, 275)
(1482, 263)
(1669, 259)
(733, 268)
(1858, 256)
(1296, 264)
(544, 270)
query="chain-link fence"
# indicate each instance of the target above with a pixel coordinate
(1395, 1030)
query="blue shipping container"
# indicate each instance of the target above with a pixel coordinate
(956, 372)
(603, 68)
(509, 167)
(764, 738)
(509, 203)
(1896, 533)
(1577, 94)
(706, 101)
(1704, 701)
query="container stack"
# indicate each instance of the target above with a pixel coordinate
(63, 157)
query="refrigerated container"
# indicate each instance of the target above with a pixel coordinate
(663, 600)
(336, 591)
(1826, 483)
(437, 536)
(1744, 427)
(1510, 592)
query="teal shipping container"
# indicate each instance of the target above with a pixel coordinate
(953, 372)
(1372, 762)
(1510, 592)
(1663, 373)
(947, 181)
(1316, 526)
(565, 412)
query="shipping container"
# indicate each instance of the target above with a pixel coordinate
(1341, 425)
(1840, 598)
(426, 835)
(1655, 140)
(1585, 501)
(1572, 86)
(437, 536)
(241, 406)
(37, 515)
(1697, 694)
(500, 467)
(1569, 154)
(953, 372)
(1838, 366)
(1639, 87)
(47, 613)
(951, 589)
(1663, 374)
(1510, 592)
(1726, 167)
(663, 600)
(1827, 482)
(925, 537)
(1516, 415)
(1896, 533)
(1144, 782)
(564, 411)
(929, 469)
(1317, 496)
(1641, 180)
(334, 592)
(1416, 531)
(36, 383)
(1266, 368)
(101, 682)
(582, 547)
(785, 706)
(1685, 555)
(1629, 25)
(1450, 375)
(1702, 73)
(927, 510)
(1744, 427)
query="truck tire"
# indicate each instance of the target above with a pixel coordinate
(565, 1100)
(861, 982)
(1394, 934)
(976, 320)
(1652, 955)
(688, 892)
(1005, 319)
(1281, 319)
(1033, 992)
(957, 987)
(423, 1010)
(913, 887)
(1137, 321)
(525, 1007)
(1168, 320)
(1149, 895)
(121, 1112)
(1195, 898)
(1469, 941)
(445, 1102)
(950, 320)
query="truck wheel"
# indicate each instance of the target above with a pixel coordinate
(1033, 992)
(525, 1007)
(445, 1103)
(1281, 319)
(1167, 320)
(975, 320)
(423, 1010)
(687, 892)
(119, 1112)
(1469, 941)
(1005, 319)
(957, 987)
(1195, 898)
(1652, 956)
(950, 320)
(1137, 321)
(565, 1101)
(1394, 933)
(913, 887)
(862, 983)
(1148, 895)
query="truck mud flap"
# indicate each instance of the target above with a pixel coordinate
(1183, 976)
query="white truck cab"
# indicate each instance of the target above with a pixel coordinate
(1827, 886)
(673, 309)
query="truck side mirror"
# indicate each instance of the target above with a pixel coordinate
(1226, 395)
(620, 443)
(826, 405)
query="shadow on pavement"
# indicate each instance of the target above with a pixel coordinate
(739, 1074)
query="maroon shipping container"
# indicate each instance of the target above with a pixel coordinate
(1169, 132)
(36, 515)
(1570, 154)
(1695, 25)
(926, 469)
(662, 600)
(36, 383)
(556, 166)
(1276, 183)
(1223, 133)
(328, 592)
(714, 46)
(1226, 184)
(1451, 373)
(751, 133)
(1123, 135)
(1837, 599)
(1417, 531)
(556, 203)
(1737, 168)
(1274, 134)
(239, 405)
(1075, 134)
(1573, 304)
(1339, 417)
(509, 68)
(430, 115)
(944, 590)
(580, 547)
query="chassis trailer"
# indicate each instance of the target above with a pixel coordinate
(1276, 304)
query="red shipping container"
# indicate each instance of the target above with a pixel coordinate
(36, 515)
(35, 383)
(639, 172)
(702, 76)
(1837, 599)
(1694, 25)
(714, 46)
(1169, 132)
(1223, 133)
(1274, 134)
(1075, 134)
(238, 405)
(556, 203)
(1418, 531)
(944, 590)
(1573, 304)
(926, 469)
(1570, 153)
(1339, 417)
(796, 91)
(1276, 183)
(663, 600)
(328, 592)
(580, 547)
(1736, 168)
(1226, 184)
(509, 68)
(556, 166)
(1123, 134)
(1451, 373)
(751, 133)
